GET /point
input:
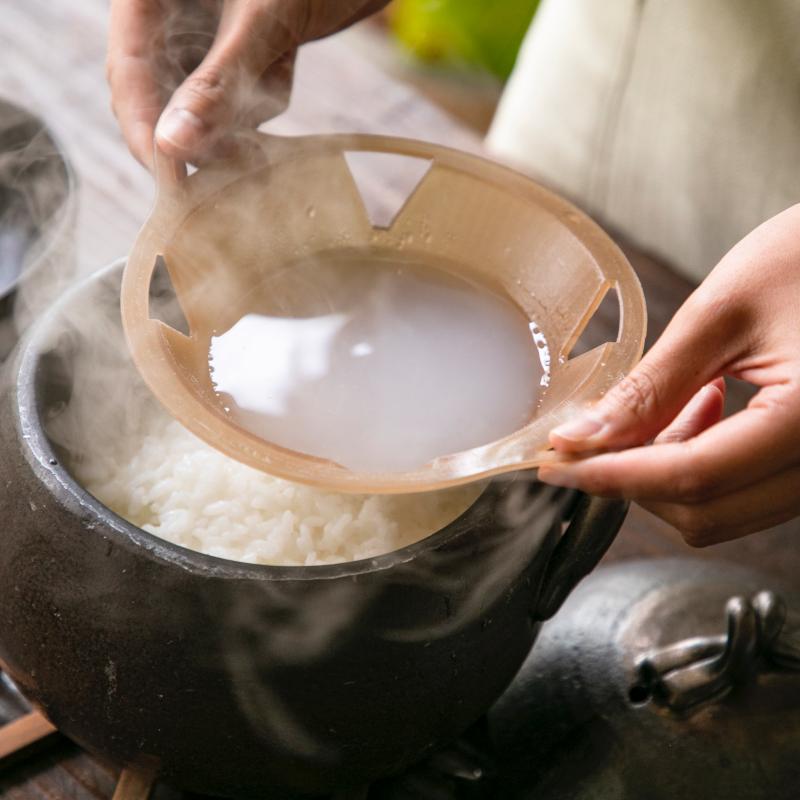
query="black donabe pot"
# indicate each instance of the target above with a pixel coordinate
(237, 679)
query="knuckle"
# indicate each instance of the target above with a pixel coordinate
(638, 393)
(209, 85)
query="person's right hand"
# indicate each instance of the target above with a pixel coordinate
(231, 61)
(713, 479)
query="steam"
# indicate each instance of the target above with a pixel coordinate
(297, 627)
(96, 403)
(104, 408)
(36, 221)
(266, 628)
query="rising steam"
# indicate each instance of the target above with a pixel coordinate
(98, 410)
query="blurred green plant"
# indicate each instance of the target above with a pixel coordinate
(480, 33)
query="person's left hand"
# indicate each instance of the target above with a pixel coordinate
(713, 480)
(211, 66)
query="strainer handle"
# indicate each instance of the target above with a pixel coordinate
(593, 528)
(250, 151)
(168, 172)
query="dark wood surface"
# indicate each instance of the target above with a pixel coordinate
(53, 63)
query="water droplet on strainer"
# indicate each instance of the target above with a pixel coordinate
(311, 212)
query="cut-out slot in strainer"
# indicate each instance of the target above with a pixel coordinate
(298, 234)
(385, 182)
(164, 303)
(603, 326)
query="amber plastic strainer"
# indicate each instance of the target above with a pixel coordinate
(228, 226)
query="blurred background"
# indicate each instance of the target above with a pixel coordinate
(435, 70)
(431, 69)
(450, 50)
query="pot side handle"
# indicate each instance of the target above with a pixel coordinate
(686, 676)
(593, 528)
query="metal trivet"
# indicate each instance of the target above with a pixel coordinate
(695, 672)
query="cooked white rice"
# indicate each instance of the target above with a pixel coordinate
(175, 486)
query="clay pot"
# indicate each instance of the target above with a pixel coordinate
(239, 679)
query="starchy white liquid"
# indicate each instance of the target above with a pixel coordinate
(378, 363)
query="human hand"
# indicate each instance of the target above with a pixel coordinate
(217, 65)
(713, 480)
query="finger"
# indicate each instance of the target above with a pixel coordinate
(136, 97)
(744, 448)
(277, 83)
(695, 348)
(701, 412)
(755, 508)
(228, 84)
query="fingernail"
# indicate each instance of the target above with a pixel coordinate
(181, 128)
(700, 398)
(580, 429)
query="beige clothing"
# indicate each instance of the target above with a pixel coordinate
(675, 121)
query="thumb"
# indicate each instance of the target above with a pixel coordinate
(226, 85)
(692, 351)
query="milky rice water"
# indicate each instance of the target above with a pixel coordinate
(416, 365)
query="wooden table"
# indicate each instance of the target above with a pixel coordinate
(53, 56)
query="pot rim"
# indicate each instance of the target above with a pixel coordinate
(40, 454)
